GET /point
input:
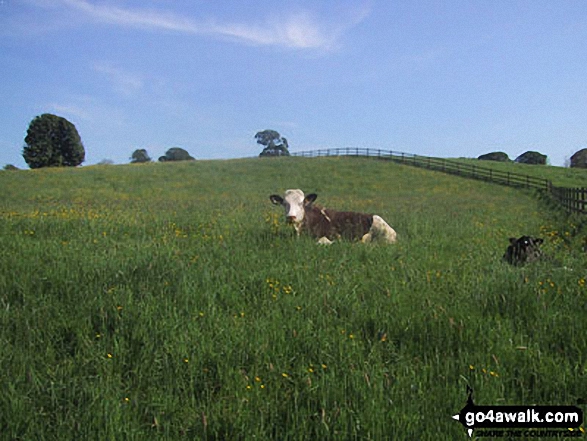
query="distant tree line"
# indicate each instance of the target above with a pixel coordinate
(529, 157)
(578, 160)
(53, 141)
(141, 156)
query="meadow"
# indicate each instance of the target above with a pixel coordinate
(170, 301)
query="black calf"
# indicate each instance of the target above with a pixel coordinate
(523, 250)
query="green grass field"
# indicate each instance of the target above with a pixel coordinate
(170, 301)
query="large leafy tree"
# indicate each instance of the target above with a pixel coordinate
(52, 141)
(275, 144)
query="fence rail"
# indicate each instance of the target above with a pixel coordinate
(572, 199)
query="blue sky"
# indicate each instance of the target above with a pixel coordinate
(442, 78)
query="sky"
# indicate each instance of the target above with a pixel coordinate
(439, 78)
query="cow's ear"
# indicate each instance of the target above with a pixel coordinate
(308, 200)
(513, 240)
(277, 200)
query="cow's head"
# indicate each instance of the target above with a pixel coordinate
(522, 250)
(294, 202)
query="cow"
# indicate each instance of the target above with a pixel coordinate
(328, 225)
(523, 250)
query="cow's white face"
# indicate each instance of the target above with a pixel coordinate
(293, 202)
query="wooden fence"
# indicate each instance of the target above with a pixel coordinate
(572, 199)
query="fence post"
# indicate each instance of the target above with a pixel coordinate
(570, 200)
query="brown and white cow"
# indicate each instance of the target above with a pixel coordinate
(327, 225)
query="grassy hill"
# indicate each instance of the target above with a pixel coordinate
(170, 301)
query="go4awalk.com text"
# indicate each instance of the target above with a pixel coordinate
(521, 421)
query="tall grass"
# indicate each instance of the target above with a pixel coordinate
(169, 301)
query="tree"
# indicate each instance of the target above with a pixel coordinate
(579, 159)
(52, 141)
(176, 154)
(275, 144)
(10, 167)
(531, 157)
(495, 156)
(140, 156)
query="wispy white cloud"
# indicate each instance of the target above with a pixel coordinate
(123, 81)
(300, 30)
(70, 110)
(86, 109)
(111, 14)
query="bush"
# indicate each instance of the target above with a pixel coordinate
(176, 154)
(530, 157)
(579, 159)
(140, 156)
(52, 141)
(495, 156)
(10, 167)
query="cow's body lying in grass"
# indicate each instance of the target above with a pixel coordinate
(327, 225)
